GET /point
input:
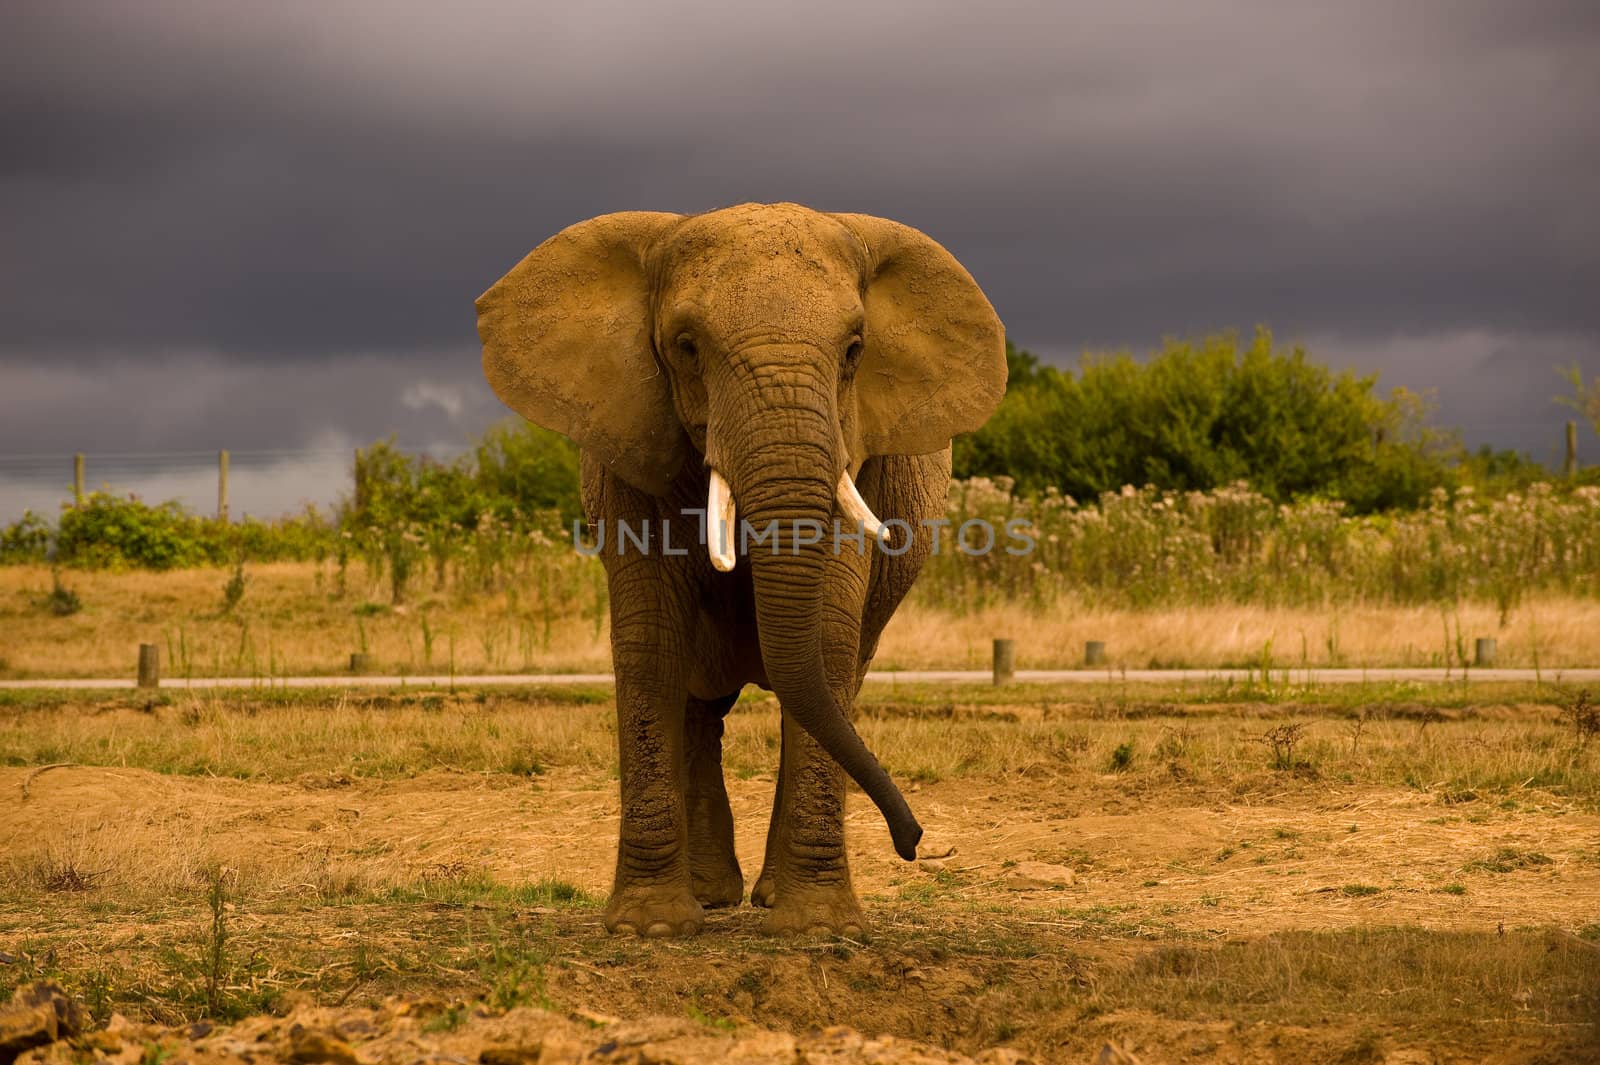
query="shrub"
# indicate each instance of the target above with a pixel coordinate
(106, 531)
(233, 591)
(62, 601)
(25, 540)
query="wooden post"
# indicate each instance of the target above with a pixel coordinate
(222, 485)
(1004, 661)
(1483, 652)
(360, 662)
(1094, 652)
(1570, 466)
(361, 487)
(149, 666)
(77, 479)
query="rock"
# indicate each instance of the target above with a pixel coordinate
(316, 1046)
(355, 1028)
(936, 850)
(1112, 1054)
(38, 1014)
(932, 865)
(1030, 876)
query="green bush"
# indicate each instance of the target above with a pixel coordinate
(107, 531)
(25, 540)
(1201, 416)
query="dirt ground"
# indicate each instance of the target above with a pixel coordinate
(1181, 909)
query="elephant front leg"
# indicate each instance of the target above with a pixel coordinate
(651, 895)
(806, 881)
(714, 873)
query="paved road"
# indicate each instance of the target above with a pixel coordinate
(921, 676)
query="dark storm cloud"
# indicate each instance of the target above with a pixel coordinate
(298, 202)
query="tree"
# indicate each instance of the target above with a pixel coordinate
(1203, 414)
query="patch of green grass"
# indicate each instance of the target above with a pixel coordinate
(469, 890)
(447, 1020)
(699, 1016)
(1358, 891)
(939, 885)
(1507, 860)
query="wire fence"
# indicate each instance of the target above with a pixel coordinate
(265, 482)
(48, 466)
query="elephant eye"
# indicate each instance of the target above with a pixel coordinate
(852, 354)
(685, 344)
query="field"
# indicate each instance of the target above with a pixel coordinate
(301, 618)
(1220, 874)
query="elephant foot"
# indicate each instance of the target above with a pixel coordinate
(762, 892)
(827, 911)
(654, 912)
(716, 890)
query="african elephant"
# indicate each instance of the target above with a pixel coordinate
(776, 363)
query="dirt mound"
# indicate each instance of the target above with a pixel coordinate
(407, 1031)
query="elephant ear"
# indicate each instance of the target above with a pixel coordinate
(933, 363)
(566, 344)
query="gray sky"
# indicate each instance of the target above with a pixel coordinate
(262, 226)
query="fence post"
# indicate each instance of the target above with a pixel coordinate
(1004, 661)
(1483, 653)
(222, 485)
(149, 666)
(77, 479)
(1094, 652)
(1570, 466)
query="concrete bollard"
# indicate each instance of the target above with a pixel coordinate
(1004, 661)
(1094, 653)
(1483, 653)
(149, 666)
(360, 662)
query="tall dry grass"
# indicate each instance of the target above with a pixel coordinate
(1150, 548)
(1549, 632)
(293, 620)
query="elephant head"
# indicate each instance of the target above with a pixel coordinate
(779, 346)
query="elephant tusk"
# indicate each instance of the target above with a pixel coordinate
(719, 524)
(855, 508)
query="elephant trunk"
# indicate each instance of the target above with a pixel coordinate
(784, 463)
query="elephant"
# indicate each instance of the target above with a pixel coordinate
(782, 365)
